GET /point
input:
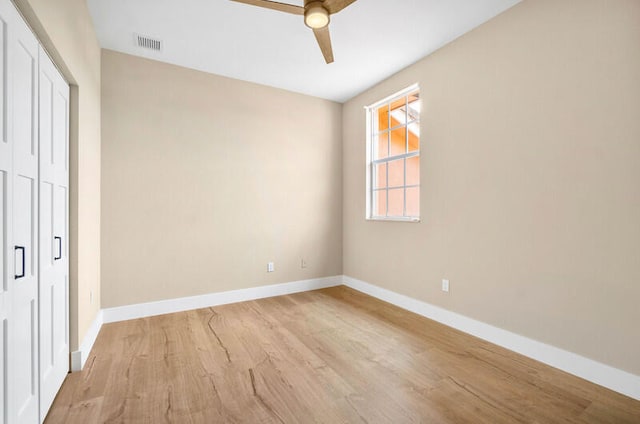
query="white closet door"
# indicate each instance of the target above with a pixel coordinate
(23, 81)
(54, 263)
(6, 248)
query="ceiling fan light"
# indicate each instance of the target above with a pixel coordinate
(316, 16)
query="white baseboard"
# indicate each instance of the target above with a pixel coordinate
(588, 369)
(604, 375)
(79, 357)
(141, 310)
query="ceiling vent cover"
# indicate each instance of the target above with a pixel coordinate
(148, 43)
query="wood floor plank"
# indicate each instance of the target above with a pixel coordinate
(327, 356)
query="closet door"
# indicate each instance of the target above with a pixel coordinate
(54, 263)
(23, 360)
(6, 247)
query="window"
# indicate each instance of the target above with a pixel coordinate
(393, 157)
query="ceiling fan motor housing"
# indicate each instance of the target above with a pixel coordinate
(315, 14)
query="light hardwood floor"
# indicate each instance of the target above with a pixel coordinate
(331, 356)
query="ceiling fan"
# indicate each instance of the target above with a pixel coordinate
(316, 16)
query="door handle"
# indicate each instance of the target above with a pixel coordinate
(21, 249)
(59, 240)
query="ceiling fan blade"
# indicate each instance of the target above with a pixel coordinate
(324, 41)
(334, 6)
(282, 7)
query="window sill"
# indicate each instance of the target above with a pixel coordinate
(393, 219)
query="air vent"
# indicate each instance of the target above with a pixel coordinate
(148, 42)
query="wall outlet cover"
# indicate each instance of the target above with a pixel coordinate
(445, 286)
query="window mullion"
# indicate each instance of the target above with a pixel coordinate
(386, 213)
(406, 124)
(388, 133)
(404, 190)
(386, 191)
(406, 151)
(396, 157)
(400, 186)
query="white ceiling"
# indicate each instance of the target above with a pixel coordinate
(372, 39)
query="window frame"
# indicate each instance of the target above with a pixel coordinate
(371, 163)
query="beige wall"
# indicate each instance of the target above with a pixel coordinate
(530, 179)
(206, 179)
(66, 30)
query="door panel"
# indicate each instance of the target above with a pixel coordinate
(54, 334)
(5, 271)
(24, 385)
(61, 128)
(24, 102)
(23, 327)
(45, 123)
(60, 289)
(6, 245)
(5, 15)
(46, 285)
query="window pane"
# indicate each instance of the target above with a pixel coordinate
(398, 117)
(380, 175)
(413, 171)
(414, 137)
(396, 173)
(399, 112)
(413, 201)
(381, 146)
(380, 203)
(383, 117)
(398, 106)
(414, 106)
(398, 141)
(396, 202)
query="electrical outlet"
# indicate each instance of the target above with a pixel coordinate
(445, 286)
(271, 267)
(303, 263)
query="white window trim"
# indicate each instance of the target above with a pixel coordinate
(369, 134)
